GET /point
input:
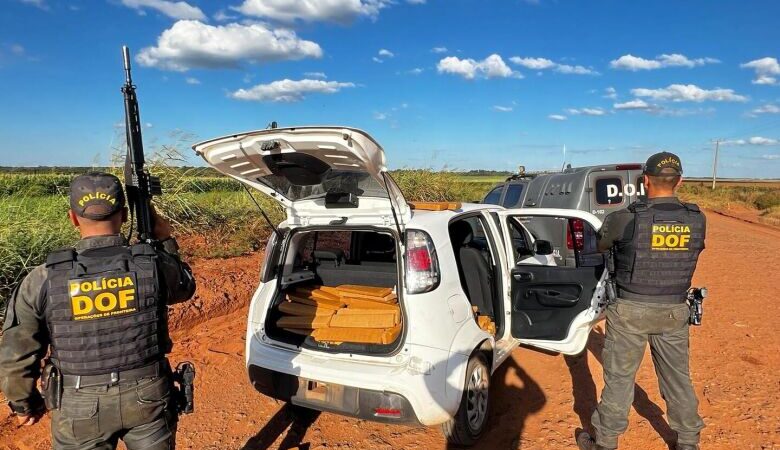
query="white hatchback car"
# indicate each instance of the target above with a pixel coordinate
(349, 224)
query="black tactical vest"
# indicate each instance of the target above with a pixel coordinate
(105, 310)
(657, 265)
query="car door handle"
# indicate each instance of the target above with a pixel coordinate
(551, 297)
(523, 276)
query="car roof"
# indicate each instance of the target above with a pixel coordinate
(431, 219)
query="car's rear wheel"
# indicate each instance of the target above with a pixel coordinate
(471, 419)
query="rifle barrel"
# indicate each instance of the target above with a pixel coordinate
(126, 57)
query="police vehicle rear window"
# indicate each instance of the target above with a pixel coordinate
(494, 196)
(513, 192)
(609, 191)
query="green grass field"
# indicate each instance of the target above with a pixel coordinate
(218, 217)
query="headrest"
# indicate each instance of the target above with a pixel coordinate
(461, 233)
(328, 255)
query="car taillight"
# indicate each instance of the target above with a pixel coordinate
(575, 234)
(422, 267)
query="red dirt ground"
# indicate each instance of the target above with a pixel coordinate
(538, 399)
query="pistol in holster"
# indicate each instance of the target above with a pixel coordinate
(184, 377)
(51, 383)
(611, 287)
(695, 299)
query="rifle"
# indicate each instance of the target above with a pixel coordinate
(139, 184)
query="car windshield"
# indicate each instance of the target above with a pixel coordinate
(341, 181)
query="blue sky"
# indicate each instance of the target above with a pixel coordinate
(462, 84)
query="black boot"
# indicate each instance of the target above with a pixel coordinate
(585, 442)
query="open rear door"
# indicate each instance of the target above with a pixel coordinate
(553, 307)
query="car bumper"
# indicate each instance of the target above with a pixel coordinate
(366, 404)
(402, 390)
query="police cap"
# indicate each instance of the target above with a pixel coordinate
(663, 163)
(96, 195)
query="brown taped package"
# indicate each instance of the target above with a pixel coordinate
(319, 303)
(361, 335)
(303, 322)
(300, 309)
(377, 319)
(487, 324)
(347, 313)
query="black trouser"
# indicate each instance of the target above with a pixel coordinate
(138, 412)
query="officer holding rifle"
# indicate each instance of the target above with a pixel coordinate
(98, 314)
(655, 244)
(100, 308)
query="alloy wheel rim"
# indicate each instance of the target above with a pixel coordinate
(477, 398)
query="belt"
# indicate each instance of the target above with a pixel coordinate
(109, 379)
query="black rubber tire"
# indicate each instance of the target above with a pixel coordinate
(457, 430)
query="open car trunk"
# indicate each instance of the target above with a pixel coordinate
(338, 292)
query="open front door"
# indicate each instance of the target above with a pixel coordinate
(553, 306)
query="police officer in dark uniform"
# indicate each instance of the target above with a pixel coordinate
(656, 243)
(101, 310)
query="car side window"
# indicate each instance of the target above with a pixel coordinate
(521, 243)
(609, 191)
(493, 196)
(513, 195)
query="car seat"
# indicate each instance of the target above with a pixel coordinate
(475, 272)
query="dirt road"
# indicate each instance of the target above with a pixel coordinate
(538, 399)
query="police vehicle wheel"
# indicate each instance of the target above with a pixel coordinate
(471, 419)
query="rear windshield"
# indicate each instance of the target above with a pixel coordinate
(513, 195)
(609, 191)
(341, 181)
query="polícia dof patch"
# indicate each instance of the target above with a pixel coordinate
(103, 296)
(670, 237)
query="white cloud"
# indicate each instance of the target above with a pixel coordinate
(288, 90)
(176, 10)
(689, 93)
(192, 80)
(576, 70)
(415, 71)
(320, 75)
(17, 50)
(755, 140)
(385, 53)
(40, 4)
(377, 60)
(635, 63)
(544, 64)
(633, 104)
(491, 67)
(439, 50)
(610, 93)
(380, 116)
(770, 157)
(222, 16)
(416, 2)
(769, 108)
(337, 11)
(765, 68)
(586, 111)
(500, 108)
(557, 117)
(532, 63)
(188, 44)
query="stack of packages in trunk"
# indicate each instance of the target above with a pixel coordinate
(347, 313)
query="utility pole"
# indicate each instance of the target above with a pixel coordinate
(715, 163)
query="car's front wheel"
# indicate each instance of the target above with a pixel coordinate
(471, 419)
